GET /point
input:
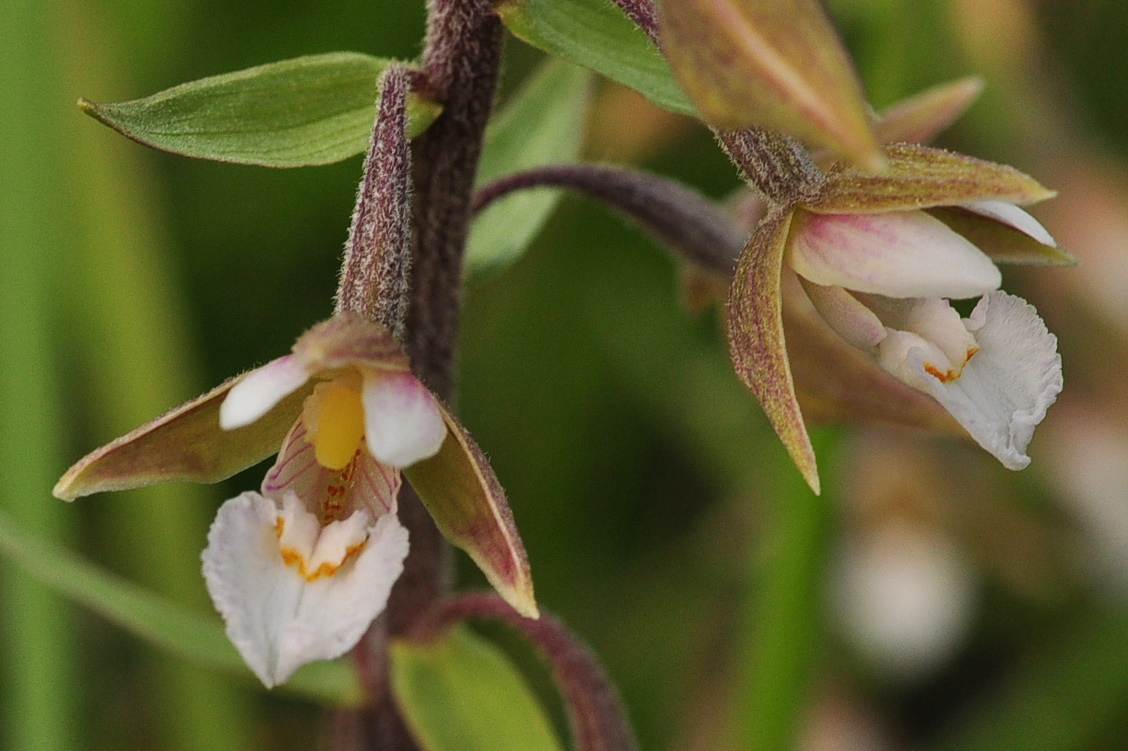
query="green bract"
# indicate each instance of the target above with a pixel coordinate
(596, 35)
(460, 693)
(307, 111)
(542, 124)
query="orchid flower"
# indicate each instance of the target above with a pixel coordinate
(299, 570)
(880, 256)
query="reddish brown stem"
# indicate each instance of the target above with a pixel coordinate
(688, 224)
(461, 60)
(596, 714)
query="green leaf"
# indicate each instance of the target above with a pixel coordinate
(542, 124)
(307, 111)
(163, 623)
(596, 35)
(460, 693)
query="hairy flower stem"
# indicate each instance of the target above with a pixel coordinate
(688, 224)
(461, 61)
(596, 715)
(377, 268)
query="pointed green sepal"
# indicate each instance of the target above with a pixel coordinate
(923, 116)
(458, 692)
(756, 339)
(777, 65)
(185, 443)
(310, 110)
(920, 177)
(464, 497)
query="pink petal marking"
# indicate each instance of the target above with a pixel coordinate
(897, 254)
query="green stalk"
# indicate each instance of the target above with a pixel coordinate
(782, 634)
(35, 655)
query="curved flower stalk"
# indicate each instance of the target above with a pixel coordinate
(880, 256)
(300, 569)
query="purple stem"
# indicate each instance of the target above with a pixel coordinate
(689, 224)
(596, 715)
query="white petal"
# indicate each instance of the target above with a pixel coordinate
(896, 254)
(260, 390)
(275, 618)
(1007, 387)
(402, 422)
(844, 313)
(1013, 217)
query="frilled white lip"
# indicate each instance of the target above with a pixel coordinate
(402, 420)
(905, 254)
(291, 591)
(1004, 389)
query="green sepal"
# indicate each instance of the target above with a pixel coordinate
(757, 344)
(458, 692)
(185, 443)
(464, 497)
(542, 124)
(307, 111)
(165, 624)
(596, 35)
(924, 115)
(920, 177)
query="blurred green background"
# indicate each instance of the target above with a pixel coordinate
(929, 599)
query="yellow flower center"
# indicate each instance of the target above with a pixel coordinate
(339, 426)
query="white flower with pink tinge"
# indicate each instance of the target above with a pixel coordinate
(299, 571)
(883, 281)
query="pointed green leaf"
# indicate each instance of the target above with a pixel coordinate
(756, 339)
(310, 110)
(460, 693)
(1004, 244)
(778, 65)
(461, 491)
(596, 35)
(161, 622)
(542, 124)
(920, 178)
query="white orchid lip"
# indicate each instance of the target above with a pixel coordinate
(1003, 392)
(279, 618)
(904, 254)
